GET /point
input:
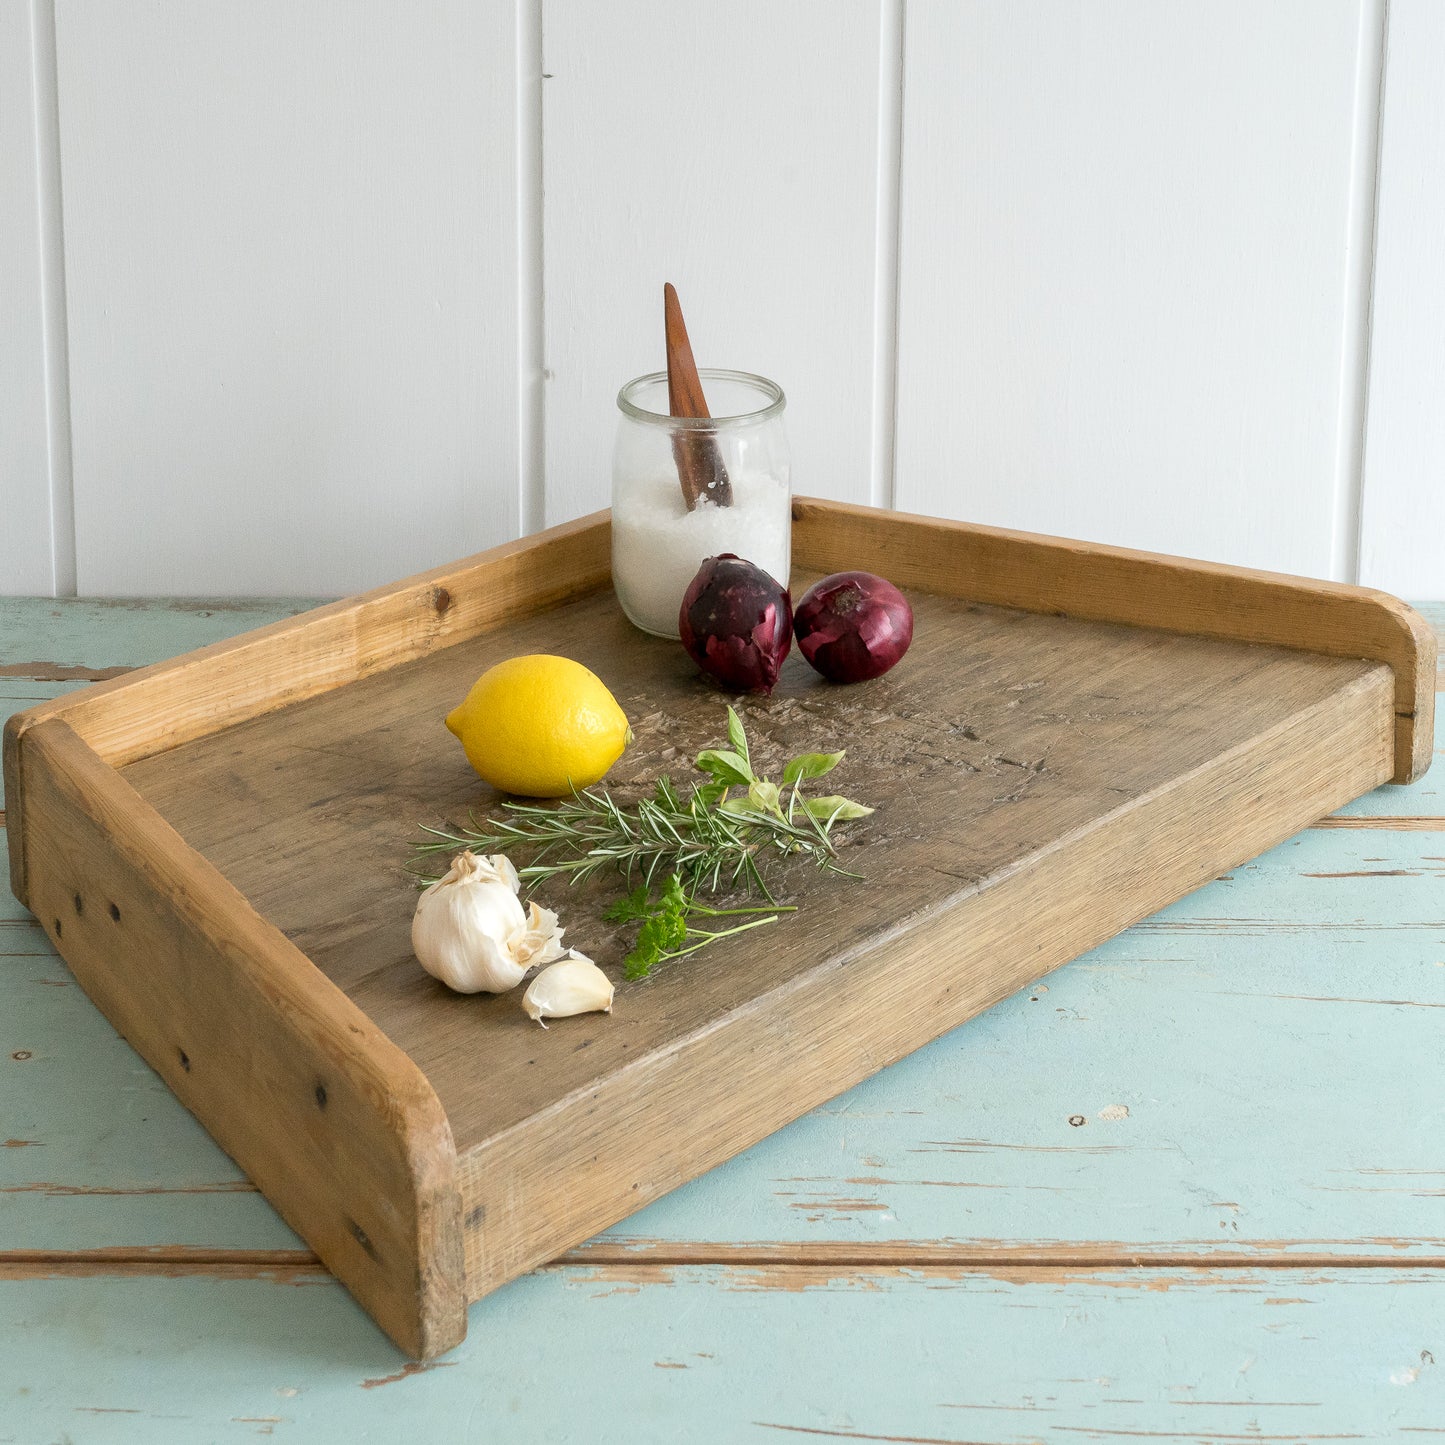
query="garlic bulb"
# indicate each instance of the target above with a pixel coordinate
(471, 931)
(574, 986)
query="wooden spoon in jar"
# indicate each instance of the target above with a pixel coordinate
(700, 466)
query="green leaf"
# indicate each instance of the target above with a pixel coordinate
(674, 899)
(710, 793)
(763, 796)
(639, 963)
(810, 765)
(740, 808)
(727, 767)
(739, 739)
(625, 910)
(833, 810)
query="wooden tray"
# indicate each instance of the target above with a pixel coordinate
(1079, 736)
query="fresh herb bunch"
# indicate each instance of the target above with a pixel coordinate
(710, 839)
(667, 930)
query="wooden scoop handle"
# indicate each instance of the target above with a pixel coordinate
(700, 467)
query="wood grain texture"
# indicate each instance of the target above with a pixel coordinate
(1403, 513)
(291, 256)
(719, 1356)
(1126, 284)
(25, 533)
(336, 1125)
(758, 201)
(1004, 758)
(1082, 579)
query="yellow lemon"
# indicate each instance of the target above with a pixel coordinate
(540, 726)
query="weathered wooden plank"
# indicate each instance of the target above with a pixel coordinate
(721, 1355)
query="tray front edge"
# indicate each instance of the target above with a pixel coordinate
(651, 1127)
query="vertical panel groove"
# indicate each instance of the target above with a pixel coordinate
(53, 300)
(531, 358)
(891, 20)
(1359, 287)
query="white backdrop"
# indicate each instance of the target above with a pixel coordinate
(298, 296)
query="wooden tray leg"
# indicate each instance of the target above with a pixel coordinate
(334, 1123)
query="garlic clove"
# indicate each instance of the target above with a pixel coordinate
(574, 986)
(470, 929)
(541, 939)
(503, 867)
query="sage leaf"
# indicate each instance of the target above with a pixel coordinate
(738, 737)
(833, 810)
(810, 765)
(726, 767)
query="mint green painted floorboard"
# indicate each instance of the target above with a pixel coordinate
(127, 632)
(716, 1356)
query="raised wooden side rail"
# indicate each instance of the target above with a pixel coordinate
(1144, 589)
(334, 1123)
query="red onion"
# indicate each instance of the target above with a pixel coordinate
(853, 625)
(736, 623)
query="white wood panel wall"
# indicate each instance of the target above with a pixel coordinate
(1124, 307)
(282, 279)
(1402, 539)
(290, 256)
(733, 150)
(27, 564)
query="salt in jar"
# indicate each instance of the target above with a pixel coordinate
(658, 541)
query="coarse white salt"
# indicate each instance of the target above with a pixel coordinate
(658, 545)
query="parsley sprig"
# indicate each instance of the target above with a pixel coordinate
(667, 931)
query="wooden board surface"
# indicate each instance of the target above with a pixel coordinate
(1335, 933)
(1069, 773)
(999, 733)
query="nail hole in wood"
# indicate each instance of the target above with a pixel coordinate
(59, 932)
(442, 600)
(79, 905)
(363, 1240)
(1077, 1120)
(321, 1096)
(185, 1060)
(115, 912)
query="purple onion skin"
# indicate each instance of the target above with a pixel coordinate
(853, 626)
(736, 623)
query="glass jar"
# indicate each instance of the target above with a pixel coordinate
(658, 541)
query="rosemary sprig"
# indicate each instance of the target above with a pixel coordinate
(709, 838)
